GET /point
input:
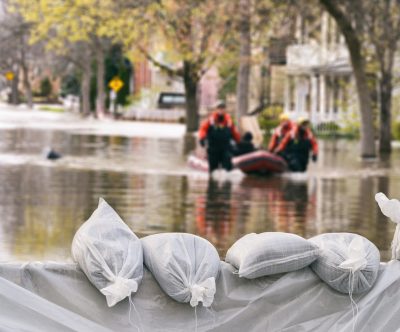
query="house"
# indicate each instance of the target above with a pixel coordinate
(319, 81)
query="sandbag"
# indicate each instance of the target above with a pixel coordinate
(257, 255)
(391, 209)
(348, 263)
(184, 265)
(109, 253)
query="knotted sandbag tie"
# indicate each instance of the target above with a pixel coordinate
(203, 292)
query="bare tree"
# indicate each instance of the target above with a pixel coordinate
(17, 54)
(370, 27)
(80, 56)
(242, 88)
(197, 32)
(350, 29)
(382, 21)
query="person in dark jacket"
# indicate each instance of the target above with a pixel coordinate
(245, 145)
(297, 145)
(217, 133)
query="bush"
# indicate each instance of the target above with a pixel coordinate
(45, 87)
(327, 129)
(396, 130)
(70, 85)
(269, 118)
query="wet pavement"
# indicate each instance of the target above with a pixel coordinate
(146, 179)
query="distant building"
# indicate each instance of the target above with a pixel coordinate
(319, 81)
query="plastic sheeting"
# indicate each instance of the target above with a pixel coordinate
(59, 297)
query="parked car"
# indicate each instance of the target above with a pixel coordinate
(171, 100)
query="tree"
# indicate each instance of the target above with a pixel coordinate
(242, 88)
(339, 11)
(70, 22)
(17, 54)
(78, 58)
(256, 23)
(382, 21)
(371, 28)
(193, 32)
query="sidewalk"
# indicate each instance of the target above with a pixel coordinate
(20, 117)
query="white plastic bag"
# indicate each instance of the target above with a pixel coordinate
(391, 209)
(109, 253)
(185, 266)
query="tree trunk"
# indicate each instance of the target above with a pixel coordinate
(85, 87)
(27, 86)
(385, 129)
(242, 87)
(191, 82)
(357, 61)
(25, 77)
(14, 97)
(368, 149)
(101, 97)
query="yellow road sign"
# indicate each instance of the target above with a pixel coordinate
(116, 84)
(9, 75)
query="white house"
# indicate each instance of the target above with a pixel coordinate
(319, 82)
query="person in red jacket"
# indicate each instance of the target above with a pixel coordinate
(279, 132)
(216, 133)
(296, 146)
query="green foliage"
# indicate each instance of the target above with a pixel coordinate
(118, 65)
(327, 129)
(51, 109)
(45, 87)
(229, 81)
(396, 130)
(70, 85)
(269, 118)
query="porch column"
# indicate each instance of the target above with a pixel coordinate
(287, 94)
(322, 98)
(314, 100)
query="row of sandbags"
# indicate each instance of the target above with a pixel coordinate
(186, 266)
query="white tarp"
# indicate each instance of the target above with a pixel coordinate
(58, 297)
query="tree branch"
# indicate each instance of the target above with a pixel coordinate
(162, 66)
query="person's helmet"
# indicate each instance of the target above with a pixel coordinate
(303, 120)
(220, 104)
(284, 117)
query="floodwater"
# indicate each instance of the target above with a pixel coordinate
(147, 181)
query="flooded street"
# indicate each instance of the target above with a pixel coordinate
(144, 176)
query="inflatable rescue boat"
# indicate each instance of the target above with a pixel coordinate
(258, 162)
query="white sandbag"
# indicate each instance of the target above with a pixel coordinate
(185, 266)
(349, 263)
(258, 255)
(391, 209)
(109, 253)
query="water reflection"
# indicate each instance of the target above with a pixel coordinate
(146, 180)
(216, 214)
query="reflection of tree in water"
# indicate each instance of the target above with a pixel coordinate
(48, 213)
(290, 206)
(227, 212)
(215, 214)
(295, 197)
